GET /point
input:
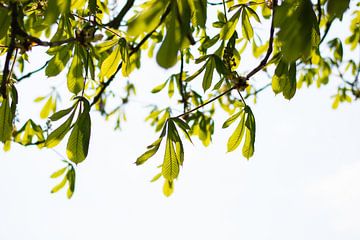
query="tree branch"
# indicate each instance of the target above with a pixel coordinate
(31, 73)
(115, 23)
(181, 83)
(134, 50)
(206, 103)
(270, 48)
(10, 50)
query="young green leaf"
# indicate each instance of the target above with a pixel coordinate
(58, 134)
(75, 78)
(160, 87)
(58, 62)
(168, 188)
(208, 76)
(6, 118)
(235, 139)
(229, 28)
(60, 114)
(249, 145)
(70, 175)
(45, 111)
(156, 177)
(110, 64)
(58, 173)
(78, 143)
(170, 167)
(247, 29)
(60, 185)
(231, 119)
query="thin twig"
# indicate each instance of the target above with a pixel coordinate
(205, 103)
(35, 71)
(319, 11)
(181, 82)
(270, 48)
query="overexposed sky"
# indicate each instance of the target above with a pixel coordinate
(302, 183)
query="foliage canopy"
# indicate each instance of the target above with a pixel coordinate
(96, 42)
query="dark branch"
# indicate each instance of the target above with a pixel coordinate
(10, 51)
(319, 11)
(115, 23)
(270, 48)
(327, 28)
(182, 86)
(31, 73)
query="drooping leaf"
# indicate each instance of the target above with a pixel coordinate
(60, 114)
(75, 78)
(229, 28)
(170, 167)
(6, 118)
(208, 76)
(58, 62)
(168, 188)
(58, 134)
(235, 138)
(45, 111)
(78, 143)
(58, 173)
(231, 119)
(110, 64)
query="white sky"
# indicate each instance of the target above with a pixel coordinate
(302, 183)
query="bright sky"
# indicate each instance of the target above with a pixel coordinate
(302, 183)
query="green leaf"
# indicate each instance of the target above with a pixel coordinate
(170, 167)
(60, 185)
(75, 78)
(6, 118)
(71, 179)
(197, 73)
(290, 86)
(58, 173)
(235, 139)
(78, 143)
(156, 177)
(337, 8)
(45, 111)
(58, 134)
(229, 28)
(247, 29)
(249, 144)
(231, 119)
(160, 87)
(168, 188)
(4, 22)
(110, 64)
(299, 31)
(60, 114)
(171, 87)
(167, 55)
(208, 76)
(148, 154)
(58, 62)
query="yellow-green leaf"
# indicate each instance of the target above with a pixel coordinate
(168, 188)
(75, 78)
(58, 134)
(59, 186)
(110, 64)
(45, 111)
(235, 139)
(170, 167)
(6, 117)
(58, 173)
(78, 143)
